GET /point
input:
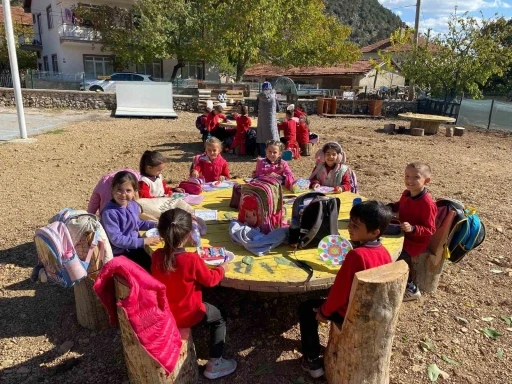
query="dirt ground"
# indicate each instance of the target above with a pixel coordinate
(62, 167)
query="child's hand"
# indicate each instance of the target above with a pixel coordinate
(179, 190)
(315, 185)
(319, 317)
(406, 227)
(151, 240)
(222, 178)
(194, 173)
(225, 266)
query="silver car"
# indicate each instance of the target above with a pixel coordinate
(109, 83)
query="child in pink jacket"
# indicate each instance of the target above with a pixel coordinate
(272, 165)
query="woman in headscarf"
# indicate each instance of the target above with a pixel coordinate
(267, 107)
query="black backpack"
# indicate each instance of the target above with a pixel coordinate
(250, 142)
(314, 221)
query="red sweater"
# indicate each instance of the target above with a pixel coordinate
(298, 113)
(212, 170)
(302, 133)
(243, 123)
(183, 285)
(290, 130)
(370, 255)
(212, 121)
(420, 211)
(145, 192)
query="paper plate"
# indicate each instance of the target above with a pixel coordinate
(221, 184)
(231, 257)
(324, 189)
(332, 249)
(153, 232)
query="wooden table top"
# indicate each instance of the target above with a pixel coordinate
(276, 271)
(421, 116)
(232, 123)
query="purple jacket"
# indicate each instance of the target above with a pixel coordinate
(265, 167)
(122, 225)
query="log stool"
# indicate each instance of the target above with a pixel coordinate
(417, 132)
(306, 149)
(459, 131)
(142, 369)
(90, 312)
(449, 131)
(360, 351)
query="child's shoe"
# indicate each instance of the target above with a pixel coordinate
(314, 367)
(411, 292)
(219, 368)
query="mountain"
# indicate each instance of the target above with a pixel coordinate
(369, 20)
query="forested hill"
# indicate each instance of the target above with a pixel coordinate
(370, 21)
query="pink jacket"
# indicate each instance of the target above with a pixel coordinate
(264, 167)
(102, 193)
(146, 308)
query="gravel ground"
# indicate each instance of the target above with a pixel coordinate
(62, 167)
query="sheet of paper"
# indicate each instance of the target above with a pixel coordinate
(206, 214)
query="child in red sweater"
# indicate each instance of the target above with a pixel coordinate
(201, 122)
(302, 131)
(184, 274)
(212, 121)
(289, 128)
(151, 182)
(243, 124)
(211, 165)
(417, 212)
(368, 220)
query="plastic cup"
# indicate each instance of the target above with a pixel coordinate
(356, 201)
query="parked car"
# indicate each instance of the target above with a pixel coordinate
(109, 83)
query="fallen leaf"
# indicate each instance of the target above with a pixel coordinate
(496, 271)
(491, 333)
(264, 369)
(434, 372)
(487, 319)
(426, 345)
(499, 354)
(450, 361)
(507, 320)
(509, 329)
(461, 319)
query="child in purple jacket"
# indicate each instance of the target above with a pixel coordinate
(272, 165)
(120, 219)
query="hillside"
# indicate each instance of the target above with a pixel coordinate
(369, 20)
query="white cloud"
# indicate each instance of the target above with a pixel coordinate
(443, 7)
(399, 13)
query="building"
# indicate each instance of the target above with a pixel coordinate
(67, 44)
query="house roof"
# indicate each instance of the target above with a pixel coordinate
(385, 46)
(18, 16)
(262, 70)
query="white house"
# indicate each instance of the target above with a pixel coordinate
(67, 45)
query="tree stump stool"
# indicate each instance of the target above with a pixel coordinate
(306, 149)
(90, 312)
(459, 131)
(449, 131)
(426, 269)
(360, 351)
(417, 132)
(142, 369)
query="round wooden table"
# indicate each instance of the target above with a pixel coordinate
(276, 271)
(232, 123)
(430, 123)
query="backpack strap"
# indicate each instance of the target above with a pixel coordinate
(306, 239)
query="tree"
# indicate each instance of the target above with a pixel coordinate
(501, 85)
(26, 59)
(460, 60)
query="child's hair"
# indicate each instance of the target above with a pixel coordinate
(123, 177)
(218, 108)
(276, 143)
(244, 110)
(332, 145)
(150, 159)
(374, 215)
(289, 112)
(422, 168)
(212, 141)
(207, 109)
(174, 227)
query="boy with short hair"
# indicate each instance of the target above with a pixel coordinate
(201, 122)
(368, 220)
(417, 212)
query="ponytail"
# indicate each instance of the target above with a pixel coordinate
(174, 227)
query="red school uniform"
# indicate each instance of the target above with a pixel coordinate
(243, 124)
(149, 187)
(302, 133)
(290, 131)
(298, 113)
(212, 170)
(183, 285)
(369, 255)
(212, 120)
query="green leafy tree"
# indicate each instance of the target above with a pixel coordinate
(460, 60)
(26, 59)
(501, 85)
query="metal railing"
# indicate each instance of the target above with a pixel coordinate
(71, 32)
(30, 39)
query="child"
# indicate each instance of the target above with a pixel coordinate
(368, 220)
(184, 273)
(330, 170)
(417, 212)
(289, 128)
(243, 124)
(212, 121)
(201, 122)
(102, 193)
(299, 113)
(211, 165)
(120, 218)
(302, 131)
(272, 165)
(151, 183)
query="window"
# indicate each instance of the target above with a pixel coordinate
(49, 16)
(154, 69)
(33, 18)
(38, 53)
(46, 66)
(40, 66)
(95, 66)
(193, 71)
(137, 78)
(122, 77)
(39, 28)
(55, 64)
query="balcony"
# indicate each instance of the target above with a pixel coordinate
(30, 42)
(76, 33)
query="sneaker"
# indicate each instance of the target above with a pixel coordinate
(411, 295)
(314, 367)
(219, 368)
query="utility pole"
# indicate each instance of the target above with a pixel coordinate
(415, 42)
(16, 84)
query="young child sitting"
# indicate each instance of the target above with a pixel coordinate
(330, 170)
(211, 165)
(212, 122)
(120, 219)
(243, 124)
(368, 220)
(417, 212)
(151, 183)
(184, 274)
(302, 131)
(289, 128)
(201, 122)
(272, 165)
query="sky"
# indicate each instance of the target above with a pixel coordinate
(435, 13)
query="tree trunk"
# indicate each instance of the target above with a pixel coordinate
(141, 367)
(179, 64)
(241, 66)
(360, 351)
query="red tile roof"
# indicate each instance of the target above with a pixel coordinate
(262, 70)
(18, 16)
(385, 45)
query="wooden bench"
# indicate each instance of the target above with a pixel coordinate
(360, 351)
(142, 369)
(235, 95)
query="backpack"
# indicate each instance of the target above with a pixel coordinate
(264, 196)
(250, 142)
(467, 232)
(57, 254)
(313, 220)
(353, 180)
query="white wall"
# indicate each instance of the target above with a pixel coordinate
(385, 78)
